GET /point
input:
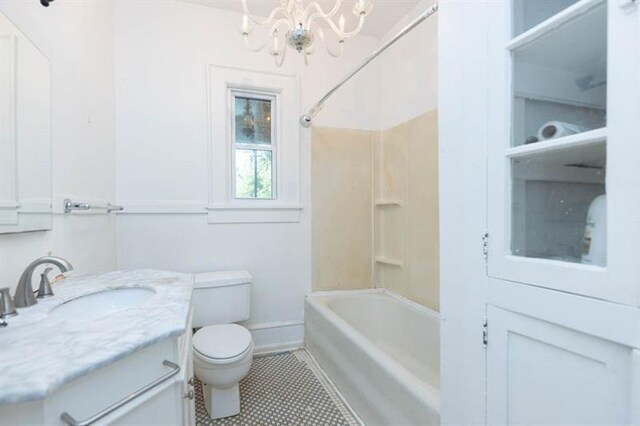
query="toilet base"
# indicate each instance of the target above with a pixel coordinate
(221, 403)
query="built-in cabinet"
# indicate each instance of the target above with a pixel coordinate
(152, 386)
(563, 316)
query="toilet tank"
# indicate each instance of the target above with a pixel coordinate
(221, 297)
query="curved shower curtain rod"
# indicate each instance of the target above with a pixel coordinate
(307, 118)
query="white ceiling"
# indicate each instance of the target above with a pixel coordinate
(385, 14)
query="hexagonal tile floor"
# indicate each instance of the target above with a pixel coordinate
(283, 389)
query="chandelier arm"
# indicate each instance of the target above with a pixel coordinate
(319, 11)
(279, 56)
(261, 22)
(251, 48)
(279, 22)
(343, 35)
(289, 10)
(324, 42)
(335, 54)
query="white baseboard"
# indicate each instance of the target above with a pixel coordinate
(277, 348)
(277, 336)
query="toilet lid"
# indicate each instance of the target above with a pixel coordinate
(222, 341)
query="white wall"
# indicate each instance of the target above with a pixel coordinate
(409, 70)
(162, 49)
(77, 37)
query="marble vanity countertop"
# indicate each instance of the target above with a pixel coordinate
(39, 354)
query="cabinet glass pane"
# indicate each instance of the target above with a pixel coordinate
(529, 13)
(559, 205)
(560, 80)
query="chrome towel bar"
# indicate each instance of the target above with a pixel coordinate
(68, 419)
(70, 206)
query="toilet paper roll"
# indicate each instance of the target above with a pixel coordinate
(558, 129)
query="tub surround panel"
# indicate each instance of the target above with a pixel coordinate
(91, 344)
(407, 171)
(342, 199)
(390, 178)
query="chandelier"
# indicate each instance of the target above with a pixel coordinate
(299, 25)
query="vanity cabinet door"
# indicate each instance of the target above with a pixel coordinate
(96, 391)
(156, 389)
(162, 407)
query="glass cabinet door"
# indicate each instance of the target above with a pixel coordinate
(560, 204)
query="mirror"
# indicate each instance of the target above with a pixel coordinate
(25, 133)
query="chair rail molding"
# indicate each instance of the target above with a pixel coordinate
(217, 213)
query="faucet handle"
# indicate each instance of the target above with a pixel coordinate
(7, 308)
(45, 285)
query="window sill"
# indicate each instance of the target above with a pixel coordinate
(265, 213)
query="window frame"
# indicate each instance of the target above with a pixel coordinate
(272, 96)
(292, 150)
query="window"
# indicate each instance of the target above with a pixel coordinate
(254, 146)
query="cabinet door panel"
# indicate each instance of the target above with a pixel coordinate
(544, 373)
(160, 408)
(564, 206)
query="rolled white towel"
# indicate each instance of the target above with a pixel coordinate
(558, 129)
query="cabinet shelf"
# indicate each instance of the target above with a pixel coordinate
(592, 137)
(576, 46)
(557, 21)
(578, 158)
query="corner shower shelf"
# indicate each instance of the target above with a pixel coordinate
(386, 203)
(383, 260)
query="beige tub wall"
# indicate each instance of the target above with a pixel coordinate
(407, 170)
(342, 199)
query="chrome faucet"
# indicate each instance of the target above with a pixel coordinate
(24, 292)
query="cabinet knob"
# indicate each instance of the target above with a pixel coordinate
(191, 381)
(190, 395)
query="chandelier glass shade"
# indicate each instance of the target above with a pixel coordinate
(299, 24)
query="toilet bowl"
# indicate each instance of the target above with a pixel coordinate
(222, 351)
(222, 356)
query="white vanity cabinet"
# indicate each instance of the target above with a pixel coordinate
(169, 398)
(563, 240)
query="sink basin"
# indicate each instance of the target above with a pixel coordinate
(101, 304)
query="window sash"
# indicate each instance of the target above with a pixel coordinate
(272, 147)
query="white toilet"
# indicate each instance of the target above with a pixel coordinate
(222, 351)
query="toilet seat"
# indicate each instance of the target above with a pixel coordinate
(222, 344)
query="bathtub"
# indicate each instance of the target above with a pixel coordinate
(381, 351)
